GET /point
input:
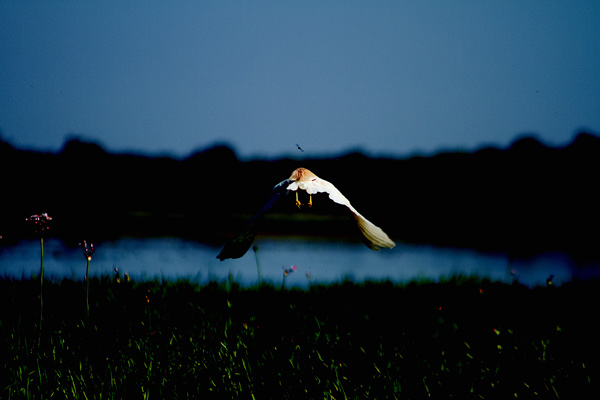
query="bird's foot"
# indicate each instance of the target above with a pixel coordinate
(298, 204)
(310, 201)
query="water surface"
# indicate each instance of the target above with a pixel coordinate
(314, 261)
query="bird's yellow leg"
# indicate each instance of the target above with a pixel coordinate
(310, 200)
(297, 201)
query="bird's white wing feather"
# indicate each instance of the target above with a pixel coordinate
(374, 236)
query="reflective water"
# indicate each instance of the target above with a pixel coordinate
(315, 262)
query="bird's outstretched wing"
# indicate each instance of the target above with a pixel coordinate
(373, 236)
(239, 245)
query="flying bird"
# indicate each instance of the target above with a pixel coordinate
(303, 179)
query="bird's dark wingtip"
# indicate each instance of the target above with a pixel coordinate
(231, 252)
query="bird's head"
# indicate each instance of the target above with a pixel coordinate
(302, 174)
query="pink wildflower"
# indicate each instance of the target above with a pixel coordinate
(287, 271)
(87, 251)
(40, 222)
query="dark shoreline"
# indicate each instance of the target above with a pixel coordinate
(522, 200)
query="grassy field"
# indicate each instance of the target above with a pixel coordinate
(463, 338)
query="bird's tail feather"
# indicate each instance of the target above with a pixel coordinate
(373, 236)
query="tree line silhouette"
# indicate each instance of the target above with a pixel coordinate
(523, 199)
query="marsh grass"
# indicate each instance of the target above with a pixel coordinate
(40, 224)
(462, 338)
(88, 251)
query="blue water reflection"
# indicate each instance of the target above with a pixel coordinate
(315, 262)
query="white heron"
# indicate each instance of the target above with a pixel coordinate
(303, 179)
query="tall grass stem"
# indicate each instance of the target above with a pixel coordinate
(255, 248)
(87, 288)
(41, 285)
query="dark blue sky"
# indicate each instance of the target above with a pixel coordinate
(389, 77)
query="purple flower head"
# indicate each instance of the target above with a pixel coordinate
(40, 222)
(87, 250)
(287, 271)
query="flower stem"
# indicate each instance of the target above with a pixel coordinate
(87, 288)
(255, 248)
(41, 284)
(283, 281)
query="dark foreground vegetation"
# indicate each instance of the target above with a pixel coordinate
(463, 339)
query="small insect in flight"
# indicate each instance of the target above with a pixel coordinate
(299, 148)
